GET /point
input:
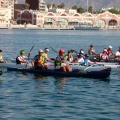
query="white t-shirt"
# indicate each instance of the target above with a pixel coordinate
(117, 53)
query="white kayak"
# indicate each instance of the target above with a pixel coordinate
(95, 67)
(115, 67)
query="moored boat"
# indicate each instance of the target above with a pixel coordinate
(75, 73)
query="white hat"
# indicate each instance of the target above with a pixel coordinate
(110, 47)
(82, 51)
(40, 50)
(105, 50)
(46, 49)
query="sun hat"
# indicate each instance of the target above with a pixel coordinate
(40, 51)
(61, 51)
(46, 49)
(110, 47)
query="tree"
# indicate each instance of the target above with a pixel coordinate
(54, 5)
(49, 5)
(61, 6)
(90, 9)
(27, 6)
(74, 7)
(80, 10)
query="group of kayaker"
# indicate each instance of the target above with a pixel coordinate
(61, 62)
(106, 54)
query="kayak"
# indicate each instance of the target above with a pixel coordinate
(75, 73)
(95, 67)
(5, 65)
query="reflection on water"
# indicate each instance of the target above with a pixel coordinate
(60, 82)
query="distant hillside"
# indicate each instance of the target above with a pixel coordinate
(97, 4)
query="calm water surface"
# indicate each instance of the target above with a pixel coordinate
(30, 97)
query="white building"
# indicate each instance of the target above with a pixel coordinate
(62, 10)
(5, 17)
(6, 12)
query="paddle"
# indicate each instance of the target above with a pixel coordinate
(29, 55)
(53, 49)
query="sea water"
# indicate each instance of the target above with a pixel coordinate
(26, 96)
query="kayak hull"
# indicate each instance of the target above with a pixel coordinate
(75, 73)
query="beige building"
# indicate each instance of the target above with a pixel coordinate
(5, 17)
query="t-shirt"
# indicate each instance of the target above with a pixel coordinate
(117, 53)
(45, 55)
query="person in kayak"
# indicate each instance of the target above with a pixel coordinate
(110, 51)
(1, 57)
(117, 55)
(79, 57)
(21, 59)
(60, 63)
(85, 61)
(81, 53)
(38, 61)
(91, 51)
(45, 55)
(104, 55)
(69, 57)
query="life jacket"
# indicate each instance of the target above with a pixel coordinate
(85, 62)
(109, 52)
(70, 59)
(19, 61)
(104, 56)
(58, 63)
(39, 60)
(1, 58)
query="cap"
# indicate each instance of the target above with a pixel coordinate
(40, 51)
(91, 46)
(110, 47)
(61, 51)
(82, 51)
(86, 55)
(105, 50)
(22, 52)
(46, 49)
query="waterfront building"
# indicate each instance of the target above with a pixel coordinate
(6, 12)
(103, 20)
(37, 5)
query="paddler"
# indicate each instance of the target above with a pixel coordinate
(45, 55)
(69, 57)
(91, 51)
(117, 55)
(1, 57)
(110, 51)
(38, 61)
(86, 61)
(21, 59)
(60, 63)
(104, 55)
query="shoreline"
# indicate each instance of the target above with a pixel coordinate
(51, 27)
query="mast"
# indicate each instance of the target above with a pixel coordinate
(87, 6)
